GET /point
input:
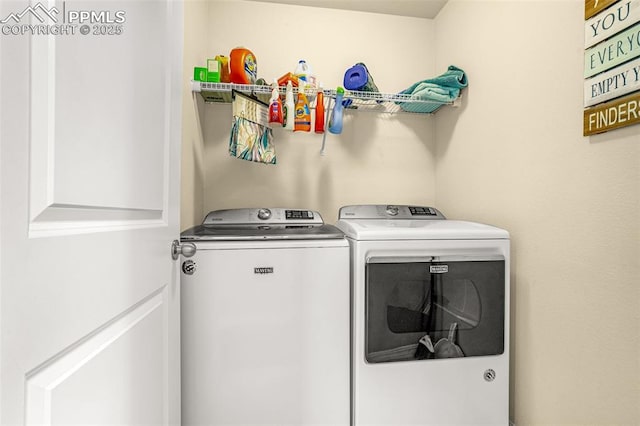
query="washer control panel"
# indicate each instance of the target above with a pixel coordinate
(257, 216)
(390, 211)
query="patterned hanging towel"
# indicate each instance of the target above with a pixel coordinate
(251, 137)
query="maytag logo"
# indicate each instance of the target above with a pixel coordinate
(438, 269)
(263, 270)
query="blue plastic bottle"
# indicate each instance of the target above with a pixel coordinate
(335, 121)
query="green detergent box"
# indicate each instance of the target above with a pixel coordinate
(199, 74)
(213, 71)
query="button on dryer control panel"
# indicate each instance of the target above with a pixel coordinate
(392, 210)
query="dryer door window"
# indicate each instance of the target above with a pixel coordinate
(434, 308)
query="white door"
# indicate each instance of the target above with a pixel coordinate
(89, 201)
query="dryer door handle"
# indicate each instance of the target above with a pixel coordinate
(185, 249)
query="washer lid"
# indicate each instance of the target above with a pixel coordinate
(261, 224)
(396, 222)
(407, 229)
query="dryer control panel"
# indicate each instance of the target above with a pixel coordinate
(389, 211)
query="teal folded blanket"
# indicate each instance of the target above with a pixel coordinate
(436, 91)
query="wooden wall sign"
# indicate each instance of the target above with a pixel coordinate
(611, 65)
(612, 115)
(612, 84)
(591, 7)
(616, 18)
(611, 52)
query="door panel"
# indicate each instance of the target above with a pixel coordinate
(90, 99)
(119, 361)
(90, 176)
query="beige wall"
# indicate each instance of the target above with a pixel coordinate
(514, 156)
(377, 159)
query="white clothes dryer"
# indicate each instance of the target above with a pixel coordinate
(265, 320)
(430, 318)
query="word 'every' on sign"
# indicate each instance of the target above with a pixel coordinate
(614, 51)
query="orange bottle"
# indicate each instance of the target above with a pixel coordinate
(243, 67)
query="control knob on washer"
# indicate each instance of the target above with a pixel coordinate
(393, 210)
(264, 214)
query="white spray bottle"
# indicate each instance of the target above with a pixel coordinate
(289, 108)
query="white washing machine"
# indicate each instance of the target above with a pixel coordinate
(265, 320)
(430, 318)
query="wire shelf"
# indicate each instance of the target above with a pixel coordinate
(362, 101)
